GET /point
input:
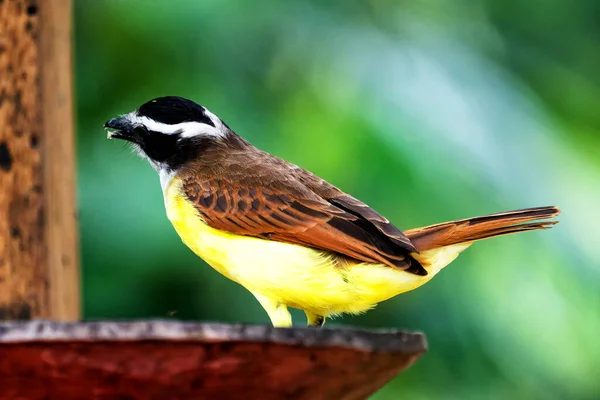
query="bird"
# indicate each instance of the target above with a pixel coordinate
(289, 237)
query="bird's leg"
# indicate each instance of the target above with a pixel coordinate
(277, 312)
(314, 319)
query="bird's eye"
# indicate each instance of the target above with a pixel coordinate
(141, 130)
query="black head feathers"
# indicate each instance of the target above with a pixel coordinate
(174, 110)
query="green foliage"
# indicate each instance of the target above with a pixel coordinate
(427, 111)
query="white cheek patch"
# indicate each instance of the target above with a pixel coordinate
(184, 129)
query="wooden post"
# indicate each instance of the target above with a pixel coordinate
(38, 234)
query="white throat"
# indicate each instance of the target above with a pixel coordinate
(166, 176)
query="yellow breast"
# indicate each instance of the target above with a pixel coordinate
(290, 274)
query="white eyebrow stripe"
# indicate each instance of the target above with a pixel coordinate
(215, 120)
(185, 129)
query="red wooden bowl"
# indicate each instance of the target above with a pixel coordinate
(172, 360)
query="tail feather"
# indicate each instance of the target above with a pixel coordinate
(478, 228)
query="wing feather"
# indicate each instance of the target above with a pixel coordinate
(292, 205)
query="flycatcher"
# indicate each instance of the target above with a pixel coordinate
(288, 236)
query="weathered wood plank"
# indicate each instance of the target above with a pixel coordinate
(38, 246)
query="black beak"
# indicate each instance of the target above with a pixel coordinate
(120, 128)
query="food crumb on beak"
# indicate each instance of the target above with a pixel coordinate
(110, 134)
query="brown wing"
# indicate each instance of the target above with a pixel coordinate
(354, 206)
(281, 202)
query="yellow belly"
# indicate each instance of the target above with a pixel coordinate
(289, 274)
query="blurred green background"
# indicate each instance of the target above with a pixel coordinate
(426, 110)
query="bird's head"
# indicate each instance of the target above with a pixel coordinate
(171, 131)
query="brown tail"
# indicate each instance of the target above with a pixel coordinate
(471, 229)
